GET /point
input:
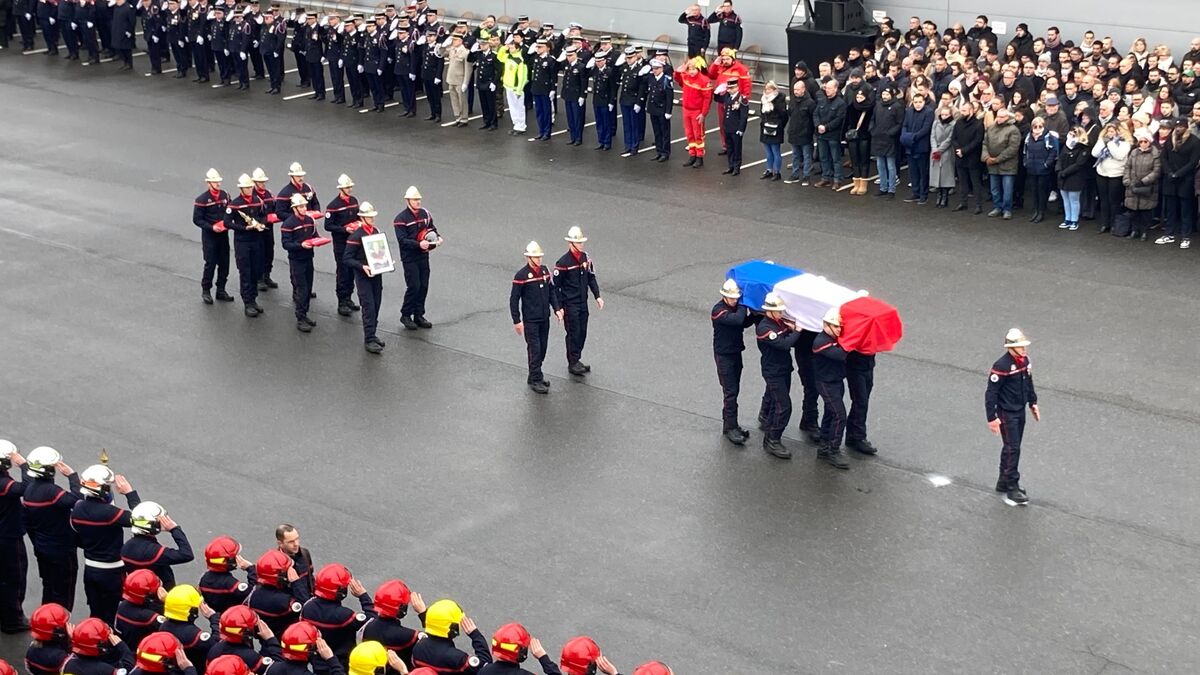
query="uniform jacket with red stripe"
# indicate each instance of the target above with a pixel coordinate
(101, 525)
(532, 295)
(12, 523)
(209, 208)
(1010, 386)
(144, 552)
(775, 341)
(48, 515)
(135, 622)
(829, 359)
(573, 276)
(256, 660)
(441, 655)
(222, 590)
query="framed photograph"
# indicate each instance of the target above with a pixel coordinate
(379, 255)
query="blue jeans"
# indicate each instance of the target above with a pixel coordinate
(774, 157)
(831, 159)
(1071, 206)
(887, 174)
(1002, 191)
(802, 159)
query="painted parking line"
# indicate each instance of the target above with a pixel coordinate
(302, 95)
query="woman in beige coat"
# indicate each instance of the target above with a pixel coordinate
(1142, 169)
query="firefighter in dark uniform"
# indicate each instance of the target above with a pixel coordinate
(154, 29)
(511, 645)
(49, 650)
(417, 236)
(220, 588)
(137, 615)
(352, 59)
(302, 643)
(236, 630)
(374, 64)
(283, 209)
(574, 93)
(143, 551)
(298, 22)
(699, 36)
(86, 16)
(487, 81)
(433, 64)
(660, 99)
(605, 82)
(369, 284)
(208, 214)
(530, 302)
(1009, 391)
(405, 67)
(48, 522)
(277, 597)
(314, 54)
(176, 21)
(197, 32)
(339, 625)
(574, 275)
(776, 336)
(101, 525)
(47, 16)
(95, 652)
(295, 236)
(218, 42)
(271, 42)
(182, 606)
(633, 73)
(829, 376)
(246, 215)
(14, 558)
(730, 321)
(335, 53)
(543, 74)
(860, 380)
(443, 622)
(161, 652)
(241, 43)
(254, 19)
(270, 207)
(389, 29)
(341, 213)
(392, 600)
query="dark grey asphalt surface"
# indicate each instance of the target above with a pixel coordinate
(611, 507)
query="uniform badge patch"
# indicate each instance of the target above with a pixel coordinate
(531, 275)
(473, 661)
(772, 335)
(556, 272)
(994, 378)
(243, 586)
(205, 636)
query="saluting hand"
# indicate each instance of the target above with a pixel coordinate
(536, 648)
(323, 649)
(606, 666)
(181, 659)
(16, 458)
(122, 485)
(64, 469)
(1037, 413)
(242, 563)
(467, 625)
(396, 663)
(264, 631)
(417, 602)
(167, 524)
(205, 610)
(292, 575)
(356, 588)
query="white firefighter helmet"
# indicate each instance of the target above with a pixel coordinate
(1015, 338)
(211, 176)
(534, 250)
(412, 192)
(259, 176)
(345, 182)
(298, 200)
(773, 303)
(144, 517)
(244, 181)
(296, 170)
(41, 460)
(367, 210)
(96, 480)
(575, 235)
(833, 317)
(7, 447)
(730, 289)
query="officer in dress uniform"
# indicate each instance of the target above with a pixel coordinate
(154, 29)
(197, 32)
(137, 615)
(85, 17)
(433, 64)
(605, 83)
(235, 637)
(246, 215)
(392, 600)
(51, 644)
(405, 66)
(776, 336)
(1009, 391)
(443, 622)
(218, 42)
(142, 551)
(241, 44)
(335, 53)
(543, 73)
(660, 100)
(220, 588)
(68, 28)
(272, 39)
(314, 54)
(277, 597)
(352, 59)
(48, 521)
(730, 320)
(574, 92)
(369, 284)
(735, 111)
(633, 70)
(47, 16)
(486, 80)
(14, 559)
(94, 651)
(511, 645)
(374, 64)
(301, 644)
(295, 235)
(298, 22)
(182, 606)
(176, 21)
(530, 302)
(417, 236)
(283, 209)
(829, 376)
(574, 275)
(339, 625)
(100, 525)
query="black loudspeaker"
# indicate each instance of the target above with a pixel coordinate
(838, 16)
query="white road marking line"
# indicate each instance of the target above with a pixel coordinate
(303, 95)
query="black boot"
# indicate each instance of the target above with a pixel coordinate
(691, 161)
(699, 163)
(776, 448)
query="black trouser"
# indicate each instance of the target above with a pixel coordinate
(1041, 191)
(14, 568)
(416, 286)
(155, 51)
(256, 59)
(729, 374)
(352, 80)
(216, 257)
(696, 49)
(1112, 196)
(733, 143)
(833, 422)
(302, 283)
(183, 58)
(200, 54)
(343, 274)
(860, 383)
(662, 133)
(126, 56)
(103, 590)
(777, 406)
(408, 92)
(1180, 213)
(242, 67)
(389, 80)
(537, 337)
(971, 178)
(1087, 201)
(575, 320)
(50, 33)
(810, 414)
(316, 76)
(370, 294)
(1141, 220)
(223, 68)
(375, 81)
(267, 252)
(87, 41)
(1012, 429)
(274, 66)
(433, 95)
(487, 104)
(28, 30)
(860, 155)
(336, 79)
(301, 67)
(58, 573)
(248, 254)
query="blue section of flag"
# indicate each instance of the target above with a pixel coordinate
(756, 278)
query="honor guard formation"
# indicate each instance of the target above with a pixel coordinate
(280, 614)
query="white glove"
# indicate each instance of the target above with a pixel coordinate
(324, 61)
(738, 133)
(492, 87)
(580, 101)
(91, 25)
(667, 116)
(74, 26)
(28, 16)
(552, 94)
(254, 44)
(720, 89)
(51, 20)
(181, 44)
(258, 19)
(637, 108)
(226, 52)
(620, 60)
(274, 55)
(128, 34)
(447, 42)
(341, 63)
(412, 76)
(360, 69)
(155, 38)
(211, 14)
(379, 72)
(437, 80)
(199, 40)
(324, 21)
(610, 107)
(643, 71)
(475, 47)
(242, 55)
(393, 35)
(421, 40)
(591, 63)
(562, 57)
(463, 87)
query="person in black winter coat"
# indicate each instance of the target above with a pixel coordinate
(885, 131)
(773, 118)
(914, 136)
(124, 21)
(860, 104)
(966, 142)
(1072, 164)
(800, 131)
(1181, 153)
(699, 35)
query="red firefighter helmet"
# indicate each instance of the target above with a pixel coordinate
(90, 637)
(229, 664)
(49, 622)
(331, 582)
(156, 651)
(422, 671)
(272, 568)
(579, 656)
(299, 640)
(221, 554)
(511, 643)
(139, 585)
(653, 668)
(237, 622)
(392, 598)
(6, 668)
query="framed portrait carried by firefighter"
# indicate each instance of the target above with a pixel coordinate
(379, 254)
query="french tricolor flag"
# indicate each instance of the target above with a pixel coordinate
(869, 325)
